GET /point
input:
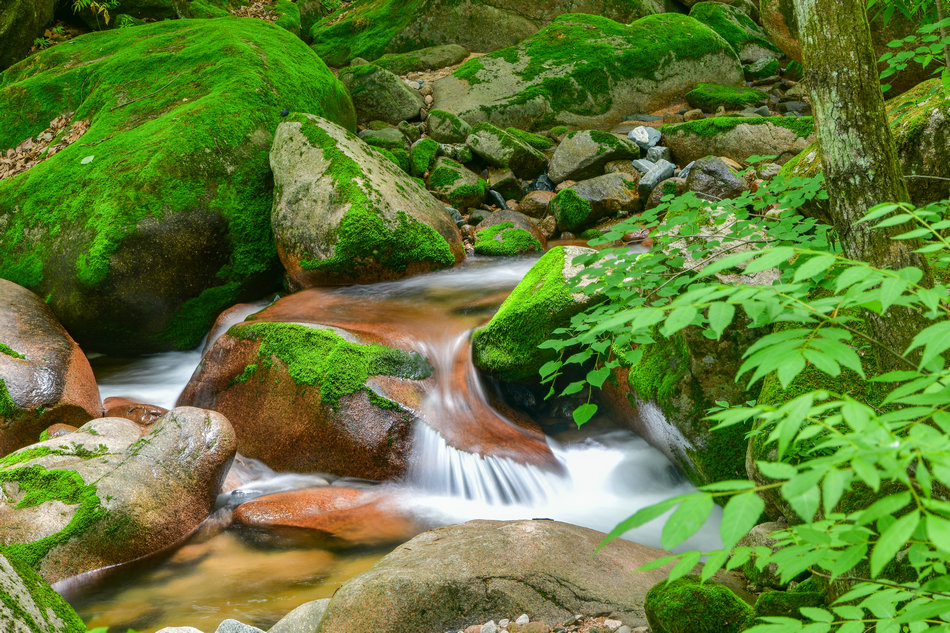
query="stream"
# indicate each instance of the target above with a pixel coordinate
(223, 571)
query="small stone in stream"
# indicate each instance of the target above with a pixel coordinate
(624, 629)
(541, 183)
(497, 199)
(693, 115)
(658, 153)
(522, 619)
(490, 627)
(613, 625)
(645, 137)
(456, 216)
(658, 173)
(415, 85)
(643, 165)
(233, 626)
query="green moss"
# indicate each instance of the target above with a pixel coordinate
(323, 358)
(39, 486)
(245, 375)
(197, 315)
(44, 596)
(8, 408)
(422, 157)
(192, 144)
(802, 126)
(365, 29)
(730, 23)
(44, 435)
(591, 234)
(570, 210)
(784, 604)
(503, 240)
(5, 349)
(397, 155)
(288, 16)
(444, 176)
(558, 130)
(470, 70)
(688, 606)
(363, 236)
(534, 140)
(709, 97)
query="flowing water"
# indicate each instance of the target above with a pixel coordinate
(593, 477)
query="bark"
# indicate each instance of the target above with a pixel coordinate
(858, 153)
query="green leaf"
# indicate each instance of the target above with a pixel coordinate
(596, 377)
(678, 319)
(720, 316)
(641, 517)
(686, 520)
(549, 367)
(925, 611)
(938, 531)
(815, 265)
(892, 540)
(713, 563)
(657, 563)
(584, 413)
(777, 470)
(818, 615)
(739, 516)
(574, 387)
(685, 565)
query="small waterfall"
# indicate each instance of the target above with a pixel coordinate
(445, 470)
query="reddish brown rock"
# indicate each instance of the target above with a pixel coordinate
(59, 430)
(141, 414)
(44, 377)
(352, 515)
(536, 204)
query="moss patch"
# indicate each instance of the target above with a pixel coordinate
(323, 358)
(534, 140)
(365, 30)
(802, 126)
(730, 23)
(422, 157)
(505, 240)
(688, 606)
(570, 210)
(6, 349)
(709, 97)
(44, 596)
(784, 604)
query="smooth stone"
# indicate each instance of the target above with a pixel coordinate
(658, 173)
(542, 183)
(233, 626)
(304, 619)
(522, 619)
(645, 137)
(658, 153)
(643, 165)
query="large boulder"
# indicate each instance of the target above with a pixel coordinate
(447, 578)
(368, 29)
(920, 125)
(22, 21)
(581, 205)
(45, 378)
(584, 153)
(507, 346)
(746, 37)
(343, 213)
(739, 138)
(588, 71)
(107, 494)
(158, 218)
(428, 58)
(506, 233)
(307, 397)
(687, 605)
(379, 95)
(29, 605)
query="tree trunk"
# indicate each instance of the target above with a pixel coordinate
(857, 151)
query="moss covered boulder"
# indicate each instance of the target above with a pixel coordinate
(507, 233)
(379, 95)
(370, 28)
(428, 58)
(588, 71)
(158, 217)
(710, 97)
(29, 605)
(501, 149)
(739, 138)
(688, 606)
(746, 37)
(507, 346)
(920, 126)
(21, 21)
(446, 127)
(343, 213)
(580, 206)
(307, 397)
(45, 378)
(107, 494)
(456, 185)
(584, 153)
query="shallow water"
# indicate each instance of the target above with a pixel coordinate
(603, 474)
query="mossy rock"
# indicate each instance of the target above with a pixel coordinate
(446, 127)
(580, 206)
(588, 71)
(158, 217)
(380, 95)
(28, 603)
(372, 28)
(787, 604)
(21, 21)
(584, 154)
(709, 97)
(344, 214)
(423, 59)
(422, 157)
(761, 68)
(688, 606)
(739, 138)
(746, 37)
(920, 124)
(134, 9)
(456, 185)
(501, 149)
(507, 346)
(534, 140)
(504, 240)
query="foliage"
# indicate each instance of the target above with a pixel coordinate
(885, 558)
(98, 7)
(929, 43)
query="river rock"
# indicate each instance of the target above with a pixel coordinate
(446, 127)
(659, 172)
(668, 187)
(22, 21)
(713, 180)
(507, 346)
(581, 205)
(507, 233)
(686, 604)
(739, 138)
(455, 184)
(371, 29)
(501, 149)
(141, 413)
(236, 626)
(536, 204)
(345, 214)
(30, 605)
(583, 154)
(735, 26)
(379, 95)
(330, 515)
(761, 536)
(599, 71)
(174, 203)
(303, 619)
(644, 137)
(45, 378)
(107, 494)
(423, 59)
(446, 578)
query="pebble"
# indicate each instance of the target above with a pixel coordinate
(613, 625)
(522, 619)
(504, 622)
(490, 627)
(542, 183)
(657, 174)
(684, 172)
(658, 153)
(645, 137)
(428, 99)
(693, 115)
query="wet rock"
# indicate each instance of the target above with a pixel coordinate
(536, 204)
(584, 153)
(644, 137)
(445, 578)
(670, 186)
(506, 184)
(504, 150)
(656, 154)
(456, 185)
(234, 626)
(107, 494)
(739, 138)
(445, 127)
(30, 605)
(624, 167)
(325, 229)
(380, 95)
(713, 180)
(44, 377)
(141, 414)
(688, 605)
